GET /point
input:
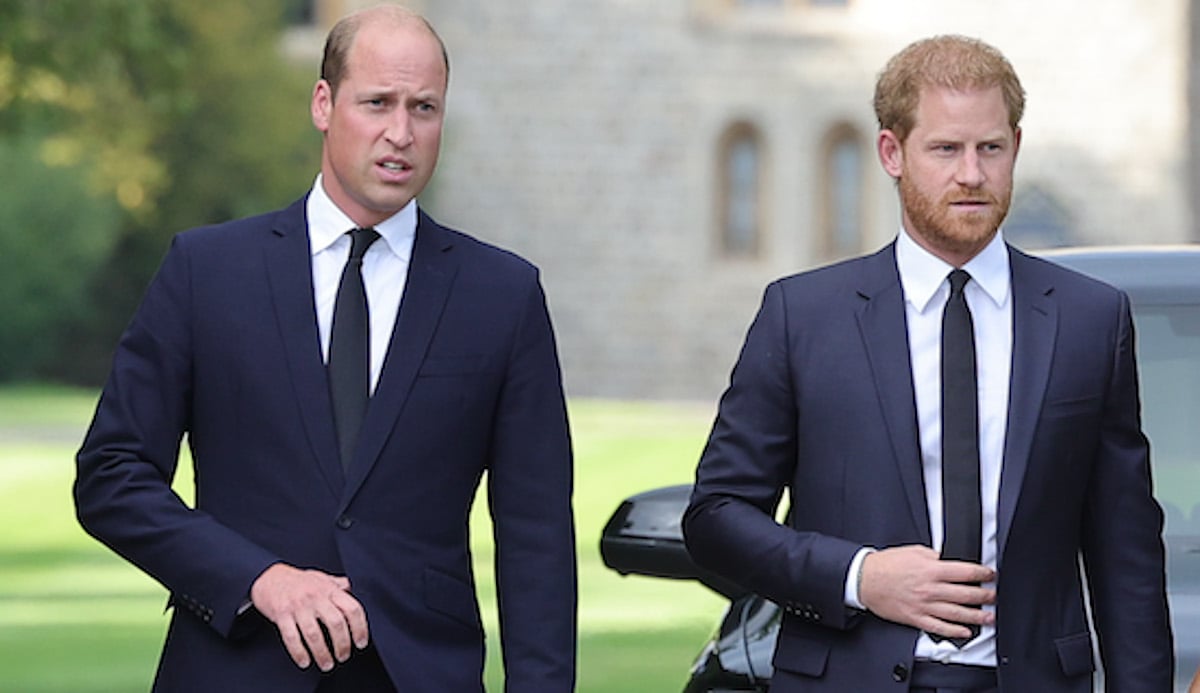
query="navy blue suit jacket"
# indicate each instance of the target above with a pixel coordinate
(224, 349)
(821, 403)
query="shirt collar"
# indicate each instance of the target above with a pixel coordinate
(327, 223)
(922, 274)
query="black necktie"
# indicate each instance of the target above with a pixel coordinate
(962, 516)
(349, 347)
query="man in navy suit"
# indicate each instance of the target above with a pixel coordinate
(318, 558)
(837, 399)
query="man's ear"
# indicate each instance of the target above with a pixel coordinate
(891, 152)
(322, 105)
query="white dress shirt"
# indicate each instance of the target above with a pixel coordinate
(923, 278)
(926, 289)
(384, 268)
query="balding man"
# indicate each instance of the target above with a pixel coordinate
(346, 370)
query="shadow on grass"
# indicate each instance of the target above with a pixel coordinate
(103, 658)
(54, 558)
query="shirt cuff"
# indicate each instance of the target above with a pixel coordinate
(854, 577)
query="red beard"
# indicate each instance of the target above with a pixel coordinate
(956, 231)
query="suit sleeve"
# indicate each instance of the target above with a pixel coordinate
(125, 467)
(529, 487)
(730, 525)
(1122, 538)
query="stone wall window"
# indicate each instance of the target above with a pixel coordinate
(841, 194)
(740, 190)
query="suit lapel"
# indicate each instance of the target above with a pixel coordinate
(1035, 325)
(885, 336)
(430, 276)
(288, 259)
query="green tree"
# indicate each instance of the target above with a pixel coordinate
(52, 233)
(98, 80)
(167, 114)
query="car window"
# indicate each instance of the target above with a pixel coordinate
(1168, 344)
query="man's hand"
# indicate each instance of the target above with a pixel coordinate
(913, 586)
(299, 602)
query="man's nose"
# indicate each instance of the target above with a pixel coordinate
(399, 130)
(970, 170)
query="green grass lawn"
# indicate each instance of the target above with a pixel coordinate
(74, 618)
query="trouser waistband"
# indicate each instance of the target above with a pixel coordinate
(963, 676)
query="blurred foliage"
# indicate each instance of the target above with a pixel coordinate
(53, 235)
(100, 80)
(132, 121)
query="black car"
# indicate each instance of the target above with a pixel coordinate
(644, 535)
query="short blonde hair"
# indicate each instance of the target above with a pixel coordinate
(955, 62)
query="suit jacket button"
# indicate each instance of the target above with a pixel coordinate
(345, 522)
(900, 673)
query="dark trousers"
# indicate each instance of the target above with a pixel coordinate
(932, 677)
(362, 673)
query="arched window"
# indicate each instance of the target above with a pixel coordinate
(740, 194)
(841, 195)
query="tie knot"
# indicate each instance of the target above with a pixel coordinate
(958, 279)
(361, 239)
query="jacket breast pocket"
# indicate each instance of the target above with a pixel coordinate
(1079, 405)
(448, 366)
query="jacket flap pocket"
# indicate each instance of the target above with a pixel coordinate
(451, 597)
(801, 656)
(1075, 654)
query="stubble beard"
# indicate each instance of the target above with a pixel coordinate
(958, 234)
